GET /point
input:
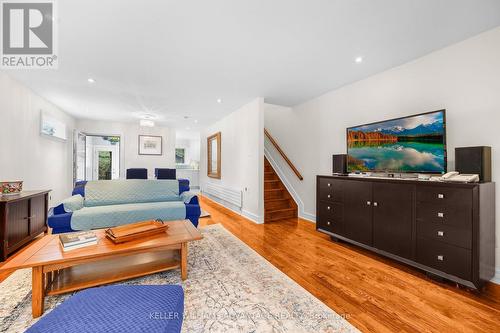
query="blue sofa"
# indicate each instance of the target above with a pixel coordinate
(109, 203)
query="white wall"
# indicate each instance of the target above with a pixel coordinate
(41, 162)
(242, 155)
(129, 145)
(464, 79)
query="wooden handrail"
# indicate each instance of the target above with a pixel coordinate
(282, 153)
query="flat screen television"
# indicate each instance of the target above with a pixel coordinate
(412, 144)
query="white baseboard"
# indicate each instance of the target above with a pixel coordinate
(235, 209)
(496, 278)
(252, 217)
(307, 216)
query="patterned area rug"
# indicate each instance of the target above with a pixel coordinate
(230, 288)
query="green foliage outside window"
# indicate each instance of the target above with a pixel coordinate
(180, 155)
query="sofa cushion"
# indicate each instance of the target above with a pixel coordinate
(114, 215)
(119, 308)
(124, 191)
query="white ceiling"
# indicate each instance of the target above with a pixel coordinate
(176, 58)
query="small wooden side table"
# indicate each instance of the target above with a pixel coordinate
(22, 218)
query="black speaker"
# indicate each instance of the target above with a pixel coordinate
(475, 160)
(340, 164)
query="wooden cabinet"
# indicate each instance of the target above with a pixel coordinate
(22, 218)
(358, 212)
(393, 218)
(443, 228)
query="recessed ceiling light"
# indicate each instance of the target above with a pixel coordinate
(196, 121)
(358, 60)
(219, 100)
(90, 80)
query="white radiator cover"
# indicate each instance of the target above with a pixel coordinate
(232, 196)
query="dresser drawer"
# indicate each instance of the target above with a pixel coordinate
(451, 235)
(330, 189)
(446, 196)
(435, 213)
(330, 219)
(332, 210)
(444, 257)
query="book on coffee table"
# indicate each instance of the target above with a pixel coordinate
(77, 240)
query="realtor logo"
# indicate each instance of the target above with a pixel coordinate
(28, 34)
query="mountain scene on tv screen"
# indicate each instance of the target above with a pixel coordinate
(413, 144)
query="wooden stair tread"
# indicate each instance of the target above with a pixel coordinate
(281, 210)
(277, 199)
(278, 203)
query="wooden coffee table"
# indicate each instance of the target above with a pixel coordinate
(57, 272)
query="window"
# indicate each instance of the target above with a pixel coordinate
(180, 154)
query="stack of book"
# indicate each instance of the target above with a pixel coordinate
(77, 240)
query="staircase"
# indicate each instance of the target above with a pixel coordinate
(278, 203)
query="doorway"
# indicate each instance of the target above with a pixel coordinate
(97, 157)
(106, 163)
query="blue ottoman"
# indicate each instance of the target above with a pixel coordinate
(119, 308)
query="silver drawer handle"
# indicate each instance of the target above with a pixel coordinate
(440, 233)
(440, 214)
(329, 196)
(440, 196)
(328, 223)
(440, 258)
(375, 204)
(329, 184)
(369, 203)
(329, 207)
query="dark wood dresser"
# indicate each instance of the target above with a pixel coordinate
(446, 229)
(22, 218)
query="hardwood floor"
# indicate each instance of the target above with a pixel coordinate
(375, 294)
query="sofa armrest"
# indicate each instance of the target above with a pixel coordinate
(57, 210)
(188, 196)
(69, 205)
(193, 210)
(60, 223)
